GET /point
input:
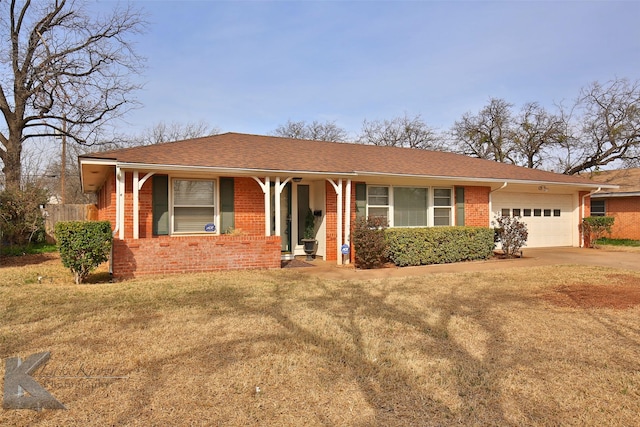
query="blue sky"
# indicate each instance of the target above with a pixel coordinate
(250, 66)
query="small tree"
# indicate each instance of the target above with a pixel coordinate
(369, 242)
(595, 227)
(83, 245)
(511, 233)
(21, 219)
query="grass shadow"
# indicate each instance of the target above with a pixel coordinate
(27, 259)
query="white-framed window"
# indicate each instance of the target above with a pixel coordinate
(598, 208)
(405, 206)
(378, 202)
(193, 205)
(410, 206)
(442, 206)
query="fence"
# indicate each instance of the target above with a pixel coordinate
(67, 212)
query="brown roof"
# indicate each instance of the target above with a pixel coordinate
(268, 153)
(627, 179)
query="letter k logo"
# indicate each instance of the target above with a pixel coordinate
(18, 380)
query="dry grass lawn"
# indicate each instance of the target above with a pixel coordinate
(516, 347)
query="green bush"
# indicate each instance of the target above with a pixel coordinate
(21, 219)
(595, 227)
(83, 245)
(369, 242)
(438, 245)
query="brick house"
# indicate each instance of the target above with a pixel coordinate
(622, 203)
(236, 201)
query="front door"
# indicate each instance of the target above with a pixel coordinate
(285, 216)
(303, 209)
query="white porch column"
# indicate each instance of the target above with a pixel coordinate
(267, 203)
(278, 191)
(338, 188)
(347, 219)
(120, 174)
(137, 186)
(136, 213)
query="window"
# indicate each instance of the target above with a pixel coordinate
(547, 212)
(442, 206)
(527, 212)
(537, 212)
(410, 207)
(516, 212)
(556, 212)
(505, 212)
(378, 202)
(193, 205)
(598, 208)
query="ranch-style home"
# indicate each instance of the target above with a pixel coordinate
(235, 201)
(622, 203)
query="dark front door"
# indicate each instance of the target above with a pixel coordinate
(303, 209)
(285, 216)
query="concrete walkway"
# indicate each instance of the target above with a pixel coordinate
(532, 257)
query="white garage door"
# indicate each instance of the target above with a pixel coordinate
(548, 216)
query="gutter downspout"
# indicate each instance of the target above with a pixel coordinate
(491, 202)
(117, 227)
(583, 210)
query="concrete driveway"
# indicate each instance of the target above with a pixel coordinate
(532, 257)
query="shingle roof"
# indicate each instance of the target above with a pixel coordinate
(268, 153)
(627, 179)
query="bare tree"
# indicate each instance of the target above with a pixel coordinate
(486, 135)
(607, 128)
(174, 131)
(404, 131)
(63, 71)
(317, 131)
(535, 133)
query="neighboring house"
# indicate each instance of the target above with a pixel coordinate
(235, 201)
(622, 203)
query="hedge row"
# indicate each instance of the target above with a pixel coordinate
(438, 245)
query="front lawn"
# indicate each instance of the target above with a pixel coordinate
(526, 346)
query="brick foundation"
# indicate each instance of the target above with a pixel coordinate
(191, 254)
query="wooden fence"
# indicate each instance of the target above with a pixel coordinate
(68, 212)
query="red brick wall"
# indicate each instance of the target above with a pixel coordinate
(145, 212)
(107, 200)
(249, 206)
(189, 254)
(178, 254)
(476, 206)
(626, 211)
(331, 219)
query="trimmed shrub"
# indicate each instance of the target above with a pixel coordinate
(369, 242)
(511, 233)
(595, 227)
(438, 245)
(83, 245)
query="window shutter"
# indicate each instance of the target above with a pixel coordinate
(227, 216)
(361, 200)
(160, 198)
(459, 205)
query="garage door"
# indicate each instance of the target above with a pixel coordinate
(548, 216)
